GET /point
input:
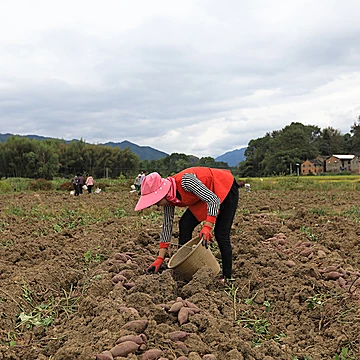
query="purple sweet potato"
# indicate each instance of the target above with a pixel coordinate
(105, 355)
(192, 306)
(124, 349)
(209, 357)
(133, 311)
(176, 307)
(306, 252)
(129, 285)
(137, 326)
(181, 346)
(328, 269)
(342, 282)
(290, 263)
(139, 339)
(151, 354)
(333, 275)
(121, 257)
(183, 315)
(118, 279)
(178, 335)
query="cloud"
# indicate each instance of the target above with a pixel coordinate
(200, 78)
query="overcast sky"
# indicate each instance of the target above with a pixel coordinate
(199, 77)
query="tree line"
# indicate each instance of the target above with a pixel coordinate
(50, 158)
(279, 152)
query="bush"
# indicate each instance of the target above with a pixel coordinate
(40, 184)
(66, 186)
(5, 187)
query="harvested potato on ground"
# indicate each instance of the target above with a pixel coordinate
(137, 326)
(176, 307)
(333, 275)
(139, 339)
(125, 348)
(178, 335)
(105, 355)
(151, 354)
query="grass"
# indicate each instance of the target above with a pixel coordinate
(322, 183)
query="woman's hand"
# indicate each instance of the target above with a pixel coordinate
(205, 235)
(154, 267)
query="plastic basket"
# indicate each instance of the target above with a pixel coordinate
(191, 257)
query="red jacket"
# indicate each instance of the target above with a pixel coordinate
(218, 181)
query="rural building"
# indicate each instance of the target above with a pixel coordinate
(314, 167)
(340, 163)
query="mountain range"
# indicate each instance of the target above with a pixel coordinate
(233, 158)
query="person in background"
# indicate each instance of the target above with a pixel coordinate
(142, 177)
(89, 183)
(137, 182)
(210, 195)
(76, 184)
(81, 183)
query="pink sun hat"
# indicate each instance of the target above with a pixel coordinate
(153, 189)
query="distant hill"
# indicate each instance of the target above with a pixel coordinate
(144, 152)
(233, 158)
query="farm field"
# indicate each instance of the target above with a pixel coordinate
(296, 293)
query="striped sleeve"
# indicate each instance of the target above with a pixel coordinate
(167, 226)
(191, 183)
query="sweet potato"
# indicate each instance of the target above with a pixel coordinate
(290, 263)
(209, 357)
(121, 257)
(178, 335)
(151, 354)
(137, 326)
(192, 306)
(183, 315)
(181, 346)
(328, 269)
(133, 311)
(129, 285)
(105, 355)
(306, 252)
(342, 282)
(139, 339)
(333, 275)
(182, 358)
(124, 348)
(176, 307)
(118, 279)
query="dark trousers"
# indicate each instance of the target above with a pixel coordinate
(223, 224)
(89, 187)
(77, 189)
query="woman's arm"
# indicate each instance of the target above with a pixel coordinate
(191, 183)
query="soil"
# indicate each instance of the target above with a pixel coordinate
(295, 295)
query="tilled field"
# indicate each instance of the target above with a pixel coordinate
(72, 281)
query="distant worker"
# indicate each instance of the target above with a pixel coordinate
(142, 177)
(81, 183)
(76, 184)
(137, 182)
(89, 183)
